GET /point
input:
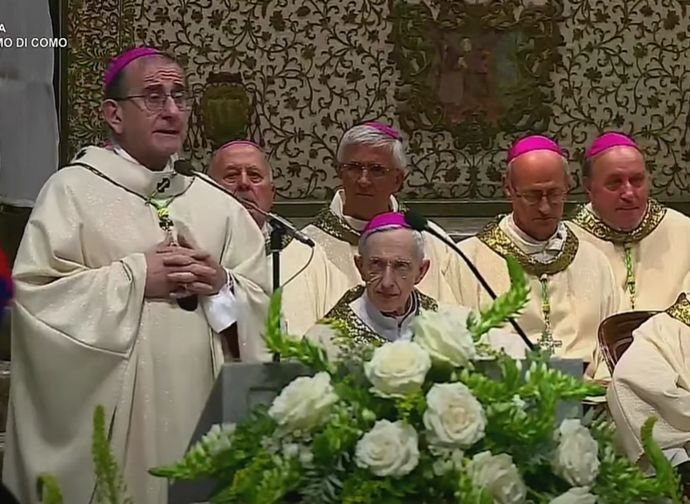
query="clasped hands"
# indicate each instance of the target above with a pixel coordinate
(182, 270)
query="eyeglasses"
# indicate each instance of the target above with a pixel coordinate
(553, 197)
(154, 101)
(400, 269)
(356, 170)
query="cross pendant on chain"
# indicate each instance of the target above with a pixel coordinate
(546, 342)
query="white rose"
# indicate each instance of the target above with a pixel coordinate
(388, 449)
(498, 476)
(576, 457)
(444, 336)
(454, 417)
(577, 495)
(305, 403)
(397, 369)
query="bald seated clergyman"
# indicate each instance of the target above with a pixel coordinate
(645, 242)
(114, 241)
(571, 282)
(242, 168)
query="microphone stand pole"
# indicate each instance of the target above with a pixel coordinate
(276, 239)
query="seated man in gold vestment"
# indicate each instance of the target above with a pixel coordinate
(241, 167)
(371, 166)
(652, 378)
(391, 263)
(645, 242)
(571, 282)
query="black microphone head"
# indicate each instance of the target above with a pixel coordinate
(184, 167)
(416, 221)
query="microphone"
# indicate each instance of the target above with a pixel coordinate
(185, 168)
(421, 224)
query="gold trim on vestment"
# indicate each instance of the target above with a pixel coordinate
(338, 228)
(590, 222)
(286, 241)
(498, 241)
(360, 333)
(680, 310)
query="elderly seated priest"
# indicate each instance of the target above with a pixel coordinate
(371, 166)
(645, 242)
(241, 167)
(391, 262)
(652, 378)
(571, 282)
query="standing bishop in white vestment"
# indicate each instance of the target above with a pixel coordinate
(371, 163)
(571, 282)
(241, 167)
(645, 242)
(391, 262)
(652, 378)
(116, 240)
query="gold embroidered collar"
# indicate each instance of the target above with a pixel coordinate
(591, 223)
(494, 238)
(338, 228)
(680, 310)
(360, 333)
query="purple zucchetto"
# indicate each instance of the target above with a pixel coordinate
(385, 220)
(117, 64)
(533, 143)
(385, 129)
(239, 142)
(607, 141)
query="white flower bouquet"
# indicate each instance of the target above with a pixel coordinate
(420, 422)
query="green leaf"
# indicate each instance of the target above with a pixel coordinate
(665, 474)
(48, 490)
(110, 484)
(506, 306)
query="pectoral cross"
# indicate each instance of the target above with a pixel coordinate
(547, 343)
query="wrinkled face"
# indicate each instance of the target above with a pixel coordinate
(369, 177)
(536, 188)
(619, 187)
(243, 170)
(391, 269)
(150, 122)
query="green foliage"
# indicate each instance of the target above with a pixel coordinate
(110, 485)
(505, 306)
(49, 490)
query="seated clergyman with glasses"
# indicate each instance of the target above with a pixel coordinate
(371, 167)
(391, 263)
(572, 285)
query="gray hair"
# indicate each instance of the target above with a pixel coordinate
(416, 235)
(365, 135)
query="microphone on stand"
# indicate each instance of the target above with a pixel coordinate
(421, 224)
(185, 168)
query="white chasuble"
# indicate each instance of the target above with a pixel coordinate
(569, 295)
(651, 263)
(84, 334)
(338, 236)
(652, 378)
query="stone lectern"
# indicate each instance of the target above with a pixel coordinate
(242, 386)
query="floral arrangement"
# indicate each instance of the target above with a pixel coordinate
(441, 419)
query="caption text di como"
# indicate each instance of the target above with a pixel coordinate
(42, 42)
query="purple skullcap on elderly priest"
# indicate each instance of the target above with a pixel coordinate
(385, 220)
(533, 143)
(384, 128)
(239, 142)
(120, 62)
(607, 141)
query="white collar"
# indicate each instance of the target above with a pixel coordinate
(120, 151)
(529, 245)
(391, 328)
(356, 224)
